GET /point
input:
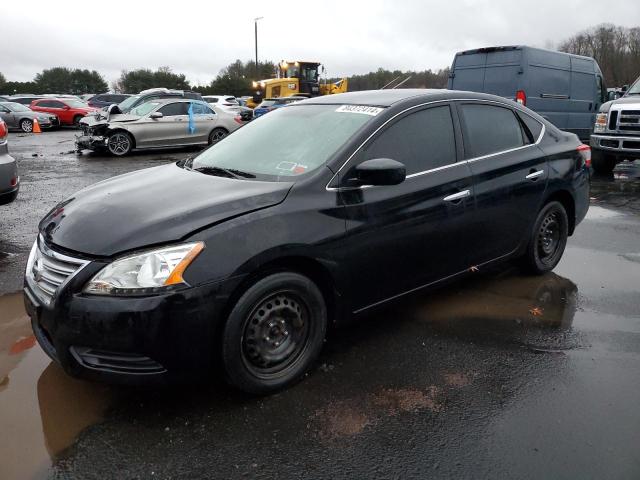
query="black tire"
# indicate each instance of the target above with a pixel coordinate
(120, 143)
(603, 163)
(76, 120)
(548, 239)
(274, 333)
(217, 134)
(26, 125)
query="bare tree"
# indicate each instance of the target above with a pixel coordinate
(616, 49)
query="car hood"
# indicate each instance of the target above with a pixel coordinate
(605, 107)
(152, 206)
(101, 119)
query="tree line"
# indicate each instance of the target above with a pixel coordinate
(616, 49)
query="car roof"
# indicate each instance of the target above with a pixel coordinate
(174, 100)
(386, 98)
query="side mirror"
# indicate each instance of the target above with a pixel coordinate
(625, 88)
(380, 171)
(611, 96)
(156, 115)
(66, 107)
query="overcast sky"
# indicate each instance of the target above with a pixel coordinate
(348, 37)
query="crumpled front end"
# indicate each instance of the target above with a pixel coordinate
(93, 137)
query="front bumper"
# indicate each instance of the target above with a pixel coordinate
(130, 340)
(91, 142)
(616, 144)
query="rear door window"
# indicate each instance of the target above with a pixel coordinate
(489, 129)
(422, 141)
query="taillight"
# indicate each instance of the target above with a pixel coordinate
(585, 152)
(3, 131)
(13, 182)
(521, 97)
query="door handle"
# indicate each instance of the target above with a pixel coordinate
(534, 175)
(457, 196)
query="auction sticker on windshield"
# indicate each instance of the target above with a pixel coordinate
(373, 111)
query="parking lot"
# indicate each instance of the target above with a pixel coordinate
(501, 375)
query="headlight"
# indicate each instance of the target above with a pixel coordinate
(150, 272)
(601, 123)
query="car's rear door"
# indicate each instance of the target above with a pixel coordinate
(509, 176)
(204, 119)
(405, 236)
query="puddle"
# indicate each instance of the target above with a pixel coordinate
(42, 410)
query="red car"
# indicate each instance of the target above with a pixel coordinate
(68, 110)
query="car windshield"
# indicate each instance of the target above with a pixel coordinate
(282, 145)
(75, 103)
(17, 107)
(142, 110)
(126, 104)
(266, 103)
(635, 88)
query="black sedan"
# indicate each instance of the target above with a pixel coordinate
(244, 255)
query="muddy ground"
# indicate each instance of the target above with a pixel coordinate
(499, 376)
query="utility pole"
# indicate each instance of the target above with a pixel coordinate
(255, 24)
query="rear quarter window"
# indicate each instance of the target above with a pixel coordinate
(490, 129)
(533, 126)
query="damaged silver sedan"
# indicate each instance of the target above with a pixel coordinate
(156, 124)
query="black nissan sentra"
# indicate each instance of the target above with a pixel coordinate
(245, 255)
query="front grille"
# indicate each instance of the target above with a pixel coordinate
(48, 270)
(629, 121)
(631, 145)
(119, 362)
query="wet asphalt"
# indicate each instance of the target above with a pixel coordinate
(501, 375)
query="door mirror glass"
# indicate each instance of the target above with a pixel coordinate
(625, 88)
(379, 171)
(156, 115)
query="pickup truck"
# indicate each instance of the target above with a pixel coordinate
(616, 134)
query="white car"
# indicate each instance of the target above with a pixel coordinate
(224, 101)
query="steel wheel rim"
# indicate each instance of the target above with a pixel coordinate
(217, 135)
(26, 126)
(549, 235)
(119, 144)
(275, 334)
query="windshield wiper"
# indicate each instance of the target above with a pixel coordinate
(224, 172)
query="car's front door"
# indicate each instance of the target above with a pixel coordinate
(170, 129)
(509, 174)
(405, 236)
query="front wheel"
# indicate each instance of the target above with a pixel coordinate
(26, 125)
(120, 144)
(603, 163)
(548, 239)
(274, 333)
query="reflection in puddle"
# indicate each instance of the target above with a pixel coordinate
(30, 383)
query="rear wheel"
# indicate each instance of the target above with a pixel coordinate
(548, 239)
(26, 125)
(120, 143)
(602, 162)
(274, 333)
(216, 135)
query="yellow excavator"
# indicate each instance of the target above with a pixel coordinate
(295, 78)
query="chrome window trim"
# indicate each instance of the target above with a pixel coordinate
(461, 162)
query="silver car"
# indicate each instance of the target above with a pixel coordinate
(9, 179)
(161, 123)
(20, 116)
